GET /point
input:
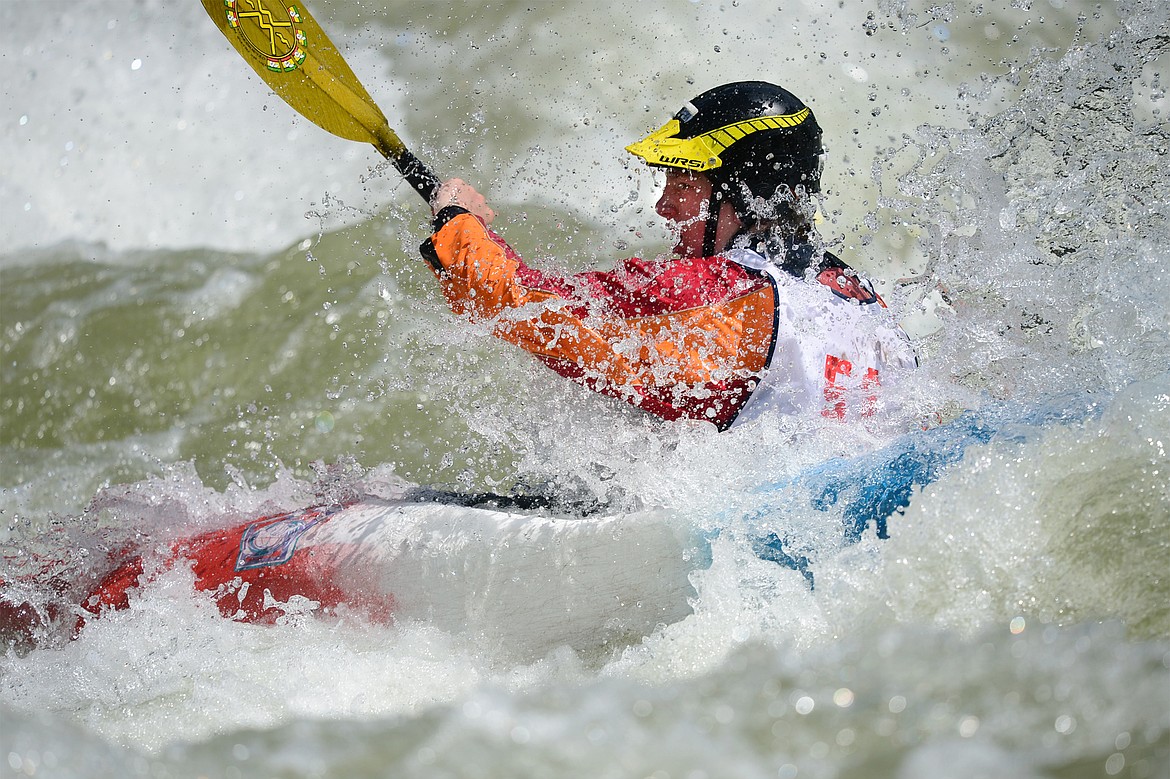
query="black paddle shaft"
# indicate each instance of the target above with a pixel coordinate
(416, 173)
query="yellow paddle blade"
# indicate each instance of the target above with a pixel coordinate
(290, 51)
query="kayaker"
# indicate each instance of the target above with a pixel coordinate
(750, 314)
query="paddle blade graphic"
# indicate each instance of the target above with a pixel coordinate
(289, 50)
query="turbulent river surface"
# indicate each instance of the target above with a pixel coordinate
(210, 309)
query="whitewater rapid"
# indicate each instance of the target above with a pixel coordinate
(210, 309)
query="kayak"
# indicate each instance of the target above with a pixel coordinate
(495, 565)
(458, 568)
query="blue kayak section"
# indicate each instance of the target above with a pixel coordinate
(869, 489)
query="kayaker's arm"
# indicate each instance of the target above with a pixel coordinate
(692, 362)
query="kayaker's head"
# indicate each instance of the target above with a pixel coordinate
(738, 158)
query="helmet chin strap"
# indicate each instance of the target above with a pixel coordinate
(714, 205)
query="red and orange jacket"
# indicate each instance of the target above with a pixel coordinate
(679, 338)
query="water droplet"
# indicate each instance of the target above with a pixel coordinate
(856, 72)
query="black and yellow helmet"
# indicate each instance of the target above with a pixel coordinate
(749, 137)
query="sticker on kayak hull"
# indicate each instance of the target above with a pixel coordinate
(273, 540)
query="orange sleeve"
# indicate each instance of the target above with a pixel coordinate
(667, 354)
(478, 277)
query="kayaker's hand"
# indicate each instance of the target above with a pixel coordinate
(457, 192)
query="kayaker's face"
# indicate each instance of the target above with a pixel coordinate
(684, 203)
